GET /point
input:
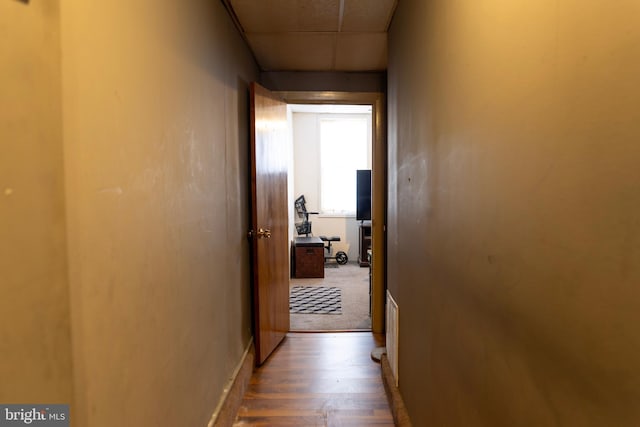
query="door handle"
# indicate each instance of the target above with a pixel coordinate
(262, 233)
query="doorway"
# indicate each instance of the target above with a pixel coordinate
(332, 149)
(375, 102)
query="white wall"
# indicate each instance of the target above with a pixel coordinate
(306, 177)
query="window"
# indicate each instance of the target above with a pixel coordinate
(344, 148)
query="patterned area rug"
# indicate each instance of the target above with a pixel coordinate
(315, 300)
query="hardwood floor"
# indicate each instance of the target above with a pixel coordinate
(318, 379)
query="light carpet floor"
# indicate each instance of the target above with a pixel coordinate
(353, 281)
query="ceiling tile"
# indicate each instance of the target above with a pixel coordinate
(361, 52)
(276, 16)
(367, 15)
(294, 51)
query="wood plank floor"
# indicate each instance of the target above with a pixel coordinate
(318, 379)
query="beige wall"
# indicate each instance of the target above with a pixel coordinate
(35, 352)
(155, 136)
(514, 238)
(123, 129)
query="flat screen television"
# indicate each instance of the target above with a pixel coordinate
(363, 194)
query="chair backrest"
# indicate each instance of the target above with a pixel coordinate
(301, 207)
(303, 227)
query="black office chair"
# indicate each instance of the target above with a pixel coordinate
(304, 227)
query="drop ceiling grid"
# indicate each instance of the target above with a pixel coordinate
(305, 35)
(358, 51)
(287, 16)
(307, 52)
(367, 16)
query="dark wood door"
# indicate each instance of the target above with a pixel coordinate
(269, 167)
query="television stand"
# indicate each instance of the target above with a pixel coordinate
(364, 243)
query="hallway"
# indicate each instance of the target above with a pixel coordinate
(318, 379)
(509, 209)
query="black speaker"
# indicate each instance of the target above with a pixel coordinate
(363, 194)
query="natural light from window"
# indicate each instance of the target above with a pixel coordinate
(343, 150)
